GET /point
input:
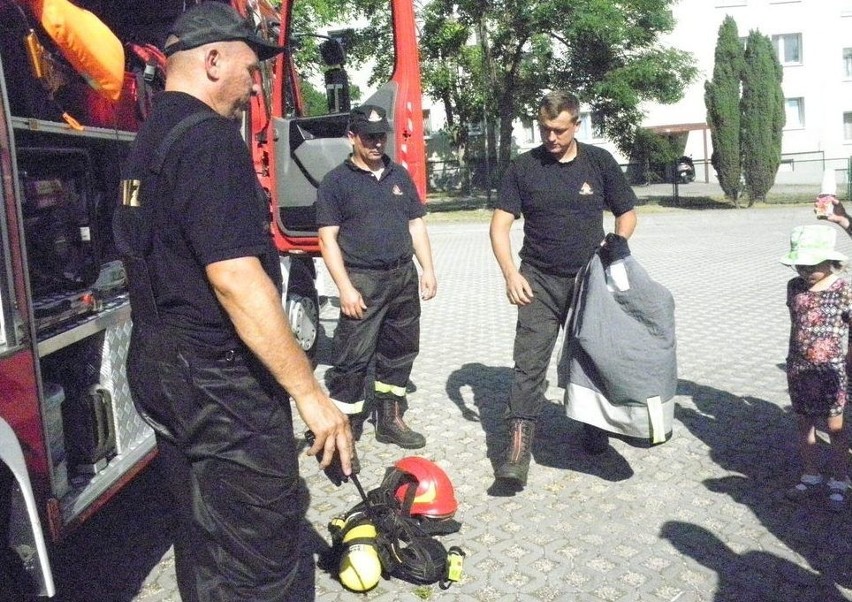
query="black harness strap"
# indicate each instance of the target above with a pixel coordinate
(174, 134)
(133, 230)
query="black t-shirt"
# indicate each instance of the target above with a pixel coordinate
(372, 214)
(562, 204)
(205, 206)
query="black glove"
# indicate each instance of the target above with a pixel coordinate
(333, 471)
(614, 248)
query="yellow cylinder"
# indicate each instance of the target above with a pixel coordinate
(360, 567)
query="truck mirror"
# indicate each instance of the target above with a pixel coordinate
(332, 53)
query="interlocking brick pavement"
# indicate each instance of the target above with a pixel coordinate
(700, 517)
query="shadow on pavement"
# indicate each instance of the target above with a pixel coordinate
(684, 201)
(746, 576)
(314, 550)
(755, 439)
(557, 439)
(112, 554)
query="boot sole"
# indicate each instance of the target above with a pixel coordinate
(392, 441)
(509, 476)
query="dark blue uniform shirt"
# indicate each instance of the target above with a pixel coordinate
(562, 205)
(372, 214)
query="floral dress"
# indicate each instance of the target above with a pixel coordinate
(816, 363)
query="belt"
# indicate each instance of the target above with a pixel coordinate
(382, 267)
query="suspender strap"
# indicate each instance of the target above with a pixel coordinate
(132, 224)
(176, 132)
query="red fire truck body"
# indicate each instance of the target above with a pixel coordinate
(70, 437)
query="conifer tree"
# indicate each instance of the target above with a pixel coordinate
(722, 99)
(762, 111)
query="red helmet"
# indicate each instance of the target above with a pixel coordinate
(434, 497)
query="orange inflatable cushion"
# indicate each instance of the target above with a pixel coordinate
(86, 42)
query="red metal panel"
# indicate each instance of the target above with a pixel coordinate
(408, 113)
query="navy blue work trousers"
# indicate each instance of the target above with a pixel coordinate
(389, 333)
(228, 456)
(536, 332)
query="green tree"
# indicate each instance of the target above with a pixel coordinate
(606, 51)
(762, 108)
(653, 154)
(722, 99)
(309, 18)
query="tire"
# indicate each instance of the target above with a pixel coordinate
(302, 306)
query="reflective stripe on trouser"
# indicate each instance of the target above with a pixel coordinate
(536, 332)
(229, 458)
(381, 387)
(389, 332)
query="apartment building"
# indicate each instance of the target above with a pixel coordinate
(813, 39)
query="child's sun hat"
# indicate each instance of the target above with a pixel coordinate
(810, 245)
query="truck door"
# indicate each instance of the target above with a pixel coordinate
(307, 146)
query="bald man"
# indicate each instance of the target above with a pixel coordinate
(213, 363)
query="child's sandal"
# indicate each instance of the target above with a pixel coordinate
(805, 488)
(837, 495)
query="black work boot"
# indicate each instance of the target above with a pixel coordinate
(390, 427)
(516, 464)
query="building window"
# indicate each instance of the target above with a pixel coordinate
(847, 63)
(794, 108)
(847, 127)
(788, 47)
(590, 127)
(528, 130)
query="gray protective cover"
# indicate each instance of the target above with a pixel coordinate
(620, 352)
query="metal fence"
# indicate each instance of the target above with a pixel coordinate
(801, 169)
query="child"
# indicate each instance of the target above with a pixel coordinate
(820, 304)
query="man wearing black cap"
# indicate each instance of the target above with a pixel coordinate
(370, 222)
(212, 358)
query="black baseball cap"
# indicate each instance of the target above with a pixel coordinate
(216, 22)
(368, 119)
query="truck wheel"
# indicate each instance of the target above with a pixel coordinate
(303, 313)
(302, 307)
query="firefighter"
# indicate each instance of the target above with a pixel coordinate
(561, 189)
(370, 222)
(212, 358)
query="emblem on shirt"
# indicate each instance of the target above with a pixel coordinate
(586, 190)
(397, 191)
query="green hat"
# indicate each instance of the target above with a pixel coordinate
(810, 245)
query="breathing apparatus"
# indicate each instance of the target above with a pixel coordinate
(391, 530)
(360, 568)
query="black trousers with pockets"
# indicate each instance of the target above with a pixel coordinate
(228, 455)
(389, 332)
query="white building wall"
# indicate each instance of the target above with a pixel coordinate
(819, 79)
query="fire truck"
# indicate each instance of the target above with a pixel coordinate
(70, 438)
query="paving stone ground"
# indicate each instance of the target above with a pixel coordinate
(700, 517)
